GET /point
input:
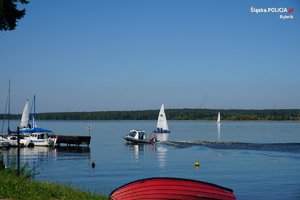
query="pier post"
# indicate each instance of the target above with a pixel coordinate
(89, 128)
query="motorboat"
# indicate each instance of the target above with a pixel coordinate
(139, 137)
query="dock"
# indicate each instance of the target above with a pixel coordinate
(72, 140)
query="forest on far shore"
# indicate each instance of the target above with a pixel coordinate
(172, 114)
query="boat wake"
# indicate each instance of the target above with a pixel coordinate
(281, 147)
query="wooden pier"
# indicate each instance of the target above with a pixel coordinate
(72, 140)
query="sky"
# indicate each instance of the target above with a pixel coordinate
(101, 55)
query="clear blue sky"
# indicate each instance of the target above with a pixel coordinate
(101, 55)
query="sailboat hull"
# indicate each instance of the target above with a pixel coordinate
(171, 188)
(162, 135)
(161, 131)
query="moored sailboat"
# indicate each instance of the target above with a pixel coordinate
(10, 137)
(31, 132)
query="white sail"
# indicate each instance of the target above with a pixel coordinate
(25, 115)
(162, 119)
(34, 125)
(219, 118)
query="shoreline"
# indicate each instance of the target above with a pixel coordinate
(13, 187)
(171, 114)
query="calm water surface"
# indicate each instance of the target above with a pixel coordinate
(252, 174)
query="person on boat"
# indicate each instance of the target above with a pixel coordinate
(154, 139)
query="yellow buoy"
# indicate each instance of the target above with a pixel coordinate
(197, 165)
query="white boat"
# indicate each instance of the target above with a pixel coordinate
(139, 137)
(4, 143)
(39, 137)
(32, 133)
(219, 118)
(162, 130)
(13, 140)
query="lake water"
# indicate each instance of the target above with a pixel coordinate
(271, 173)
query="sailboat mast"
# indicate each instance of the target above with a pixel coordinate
(33, 116)
(33, 105)
(8, 111)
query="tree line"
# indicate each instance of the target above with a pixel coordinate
(172, 114)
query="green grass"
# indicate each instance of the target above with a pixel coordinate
(13, 187)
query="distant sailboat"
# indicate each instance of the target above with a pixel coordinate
(219, 118)
(219, 126)
(162, 130)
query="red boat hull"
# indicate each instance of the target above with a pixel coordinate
(171, 188)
